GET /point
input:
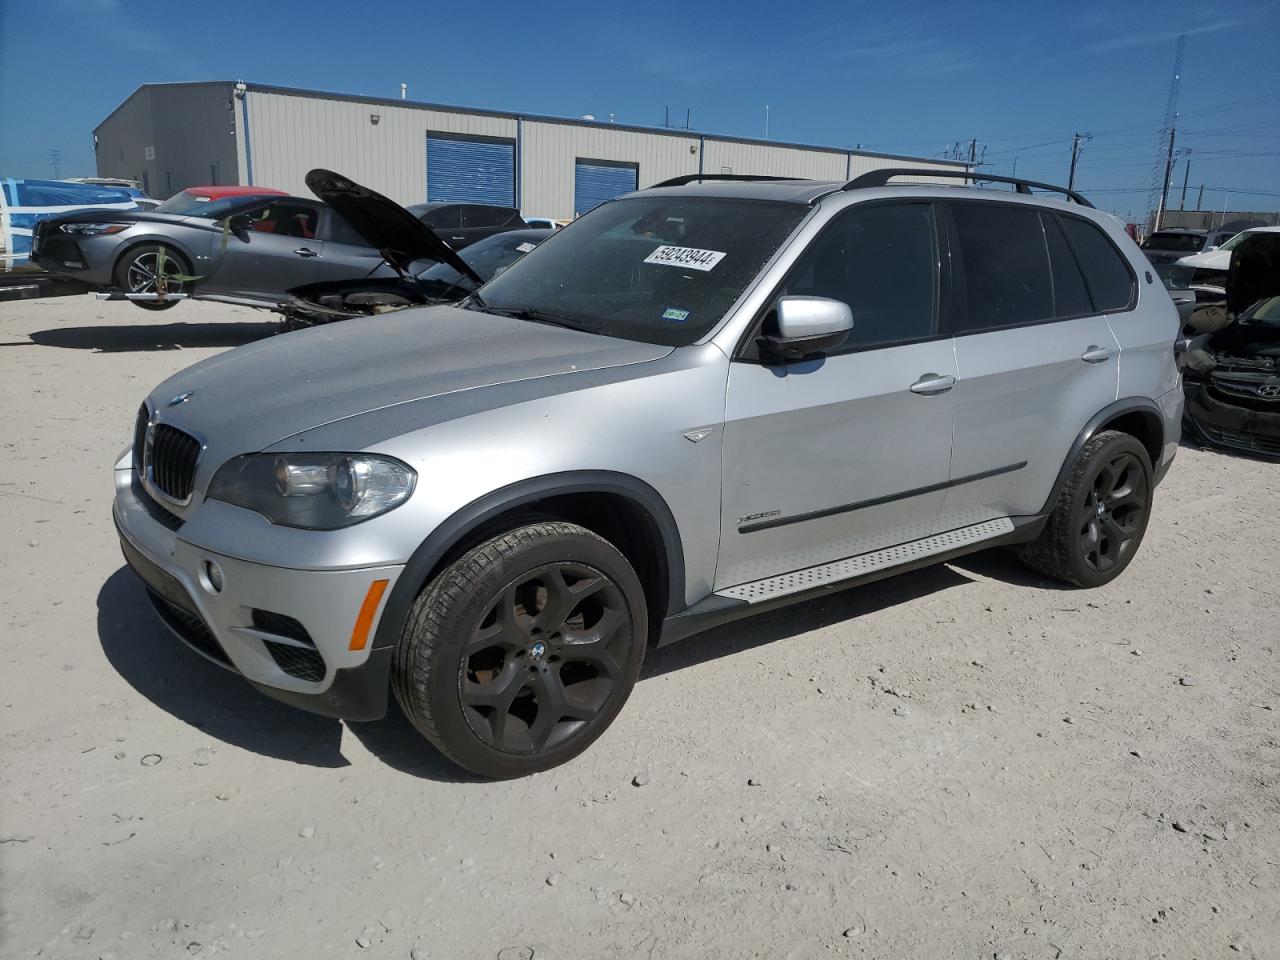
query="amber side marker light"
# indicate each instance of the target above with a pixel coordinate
(360, 633)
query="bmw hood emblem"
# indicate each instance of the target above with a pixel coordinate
(182, 398)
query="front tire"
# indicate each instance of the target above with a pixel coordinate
(139, 270)
(1100, 516)
(521, 652)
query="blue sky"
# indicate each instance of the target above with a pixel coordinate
(1021, 78)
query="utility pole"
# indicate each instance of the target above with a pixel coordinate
(1076, 141)
(766, 121)
(1168, 173)
(1186, 172)
(1200, 197)
(55, 158)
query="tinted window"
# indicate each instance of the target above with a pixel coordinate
(1000, 251)
(1105, 270)
(1070, 295)
(1179, 242)
(881, 260)
(439, 218)
(477, 215)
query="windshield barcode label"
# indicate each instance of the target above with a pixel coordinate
(690, 257)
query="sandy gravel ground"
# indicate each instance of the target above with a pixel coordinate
(962, 762)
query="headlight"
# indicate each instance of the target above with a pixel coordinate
(314, 491)
(94, 229)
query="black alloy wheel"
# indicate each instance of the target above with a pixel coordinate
(521, 652)
(1115, 512)
(545, 657)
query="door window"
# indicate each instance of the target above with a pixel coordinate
(1110, 280)
(1070, 295)
(286, 219)
(440, 218)
(882, 260)
(1004, 264)
(342, 232)
(477, 215)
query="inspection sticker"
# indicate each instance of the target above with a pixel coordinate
(525, 247)
(676, 314)
(690, 257)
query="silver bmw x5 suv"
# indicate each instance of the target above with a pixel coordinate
(696, 402)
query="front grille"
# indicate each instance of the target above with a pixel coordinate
(140, 436)
(305, 663)
(301, 662)
(171, 460)
(1251, 442)
(190, 627)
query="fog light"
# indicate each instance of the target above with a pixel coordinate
(211, 578)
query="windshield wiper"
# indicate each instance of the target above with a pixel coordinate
(529, 313)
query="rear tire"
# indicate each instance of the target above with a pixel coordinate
(136, 271)
(521, 652)
(1100, 516)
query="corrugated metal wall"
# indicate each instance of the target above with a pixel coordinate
(293, 131)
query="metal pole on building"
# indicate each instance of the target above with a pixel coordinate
(766, 121)
(1185, 174)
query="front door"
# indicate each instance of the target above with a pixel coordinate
(278, 249)
(841, 455)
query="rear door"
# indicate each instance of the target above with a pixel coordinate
(832, 457)
(278, 250)
(1036, 358)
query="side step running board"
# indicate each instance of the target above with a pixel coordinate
(851, 568)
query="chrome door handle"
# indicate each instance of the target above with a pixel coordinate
(307, 252)
(1096, 354)
(933, 383)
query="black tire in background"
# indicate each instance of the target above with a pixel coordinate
(134, 266)
(521, 652)
(1100, 516)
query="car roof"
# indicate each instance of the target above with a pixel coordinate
(1187, 230)
(215, 193)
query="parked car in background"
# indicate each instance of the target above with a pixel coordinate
(461, 224)
(238, 244)
(543, 223)
(697, 402)
(131, 187)
(24, 204)
(1232, 376)
(1167, 246)
(440, 283)
(1211, 267)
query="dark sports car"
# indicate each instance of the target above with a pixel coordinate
(1232, 377)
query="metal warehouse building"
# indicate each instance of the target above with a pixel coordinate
(171, 136)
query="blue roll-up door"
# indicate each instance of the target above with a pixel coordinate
(595, 181)
(470, 170)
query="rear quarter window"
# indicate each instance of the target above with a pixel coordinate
(1111, 282)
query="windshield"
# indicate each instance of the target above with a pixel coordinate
(659, 270)
(185, 204)
(1235, 241)
(1182, 242)
(1264, 313)
(487, 257)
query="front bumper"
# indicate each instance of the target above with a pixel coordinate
(288, 632)
(88, 259)
(1246, 426)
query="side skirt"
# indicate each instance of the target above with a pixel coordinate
(747, 599)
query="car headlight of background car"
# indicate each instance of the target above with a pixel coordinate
(94, 229)
(314, 491)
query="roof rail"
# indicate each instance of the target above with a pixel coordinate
(699, 177)
(880, 178)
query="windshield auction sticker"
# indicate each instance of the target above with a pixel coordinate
(690, 257)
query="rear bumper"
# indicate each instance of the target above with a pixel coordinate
(288, 632)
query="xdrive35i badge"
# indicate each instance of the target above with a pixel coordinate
(182, 398)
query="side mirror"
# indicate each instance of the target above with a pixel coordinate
(240, 223)
(807, 327)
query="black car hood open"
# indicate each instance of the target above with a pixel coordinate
(385, 225)
(1255, 272)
